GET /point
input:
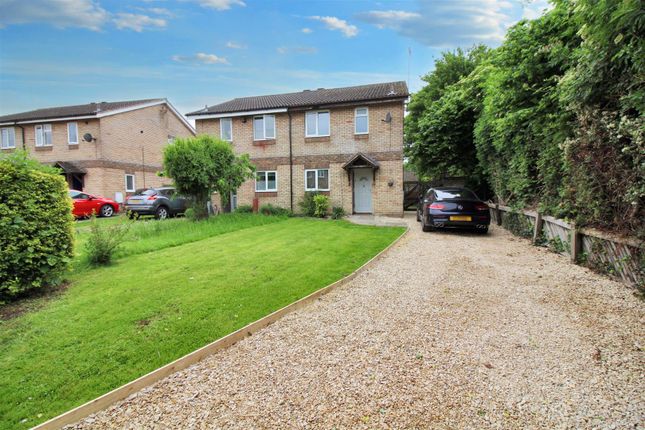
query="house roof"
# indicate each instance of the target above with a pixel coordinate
(87, 111)
(90, 109)
(307, 98)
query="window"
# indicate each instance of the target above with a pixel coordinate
(457, 193)
(226, 129)
(72, 133)
(317, 180)
(317, 124)
(171, 139)
(44, 135)
(266, 181)
(8, 138)
(264, 127)
(129, 183)
(361, 121)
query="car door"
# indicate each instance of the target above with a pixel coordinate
(83, 205)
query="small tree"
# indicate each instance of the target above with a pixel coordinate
(202, 165)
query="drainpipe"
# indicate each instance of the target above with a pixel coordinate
(22, 133)
(290, 166)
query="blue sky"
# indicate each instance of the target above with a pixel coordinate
(198, 52)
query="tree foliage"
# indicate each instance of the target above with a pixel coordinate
(553, 115)
(36, 226)
(202, 165)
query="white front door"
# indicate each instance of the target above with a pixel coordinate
(363, 190)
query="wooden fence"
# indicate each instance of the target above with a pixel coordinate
(620, 257)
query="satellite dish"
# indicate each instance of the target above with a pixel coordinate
(88, 137)
(388, 117)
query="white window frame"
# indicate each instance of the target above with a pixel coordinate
(8, 131)
(40, 133)
(134, 183)
(221, 128)
(317, 113)
(264, 127)
(69, 141)
(266, 173)
(367, 115)
(316, 186)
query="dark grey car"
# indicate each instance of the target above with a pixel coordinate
(162, 202)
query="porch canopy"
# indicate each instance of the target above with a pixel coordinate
(70, 168)
(361, 161)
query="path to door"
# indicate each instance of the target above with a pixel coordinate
(446, 331)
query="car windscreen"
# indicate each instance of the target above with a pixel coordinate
(148, 193)
(455, 194)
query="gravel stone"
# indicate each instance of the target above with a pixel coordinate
(446, 331)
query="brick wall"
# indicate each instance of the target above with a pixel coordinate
(383, 143)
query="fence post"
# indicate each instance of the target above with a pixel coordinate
(575, 243)
(498, 214)
(538, 227)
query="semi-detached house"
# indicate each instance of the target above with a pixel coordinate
(343, 142)
(106, 148)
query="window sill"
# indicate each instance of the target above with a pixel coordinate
(44, 148)
(361, 136)
(264, 142)
(317, 139)
(9, 149)
(323, 192)
(266, 194)
(72, 146)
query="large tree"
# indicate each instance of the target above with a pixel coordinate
(202, 165)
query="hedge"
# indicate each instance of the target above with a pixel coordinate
(36, 226)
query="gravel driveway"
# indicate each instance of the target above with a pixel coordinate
(446, 331)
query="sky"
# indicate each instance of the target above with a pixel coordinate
(203, 52)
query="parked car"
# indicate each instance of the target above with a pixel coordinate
(452, 207)
(86, 204)
(162, 202)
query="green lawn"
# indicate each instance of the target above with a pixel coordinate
(163, 299)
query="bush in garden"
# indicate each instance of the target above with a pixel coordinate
(269, 209)
(104, 240)
(244, 209)
(337, 212)
(321, 203)
(307, 204)
(36, 225)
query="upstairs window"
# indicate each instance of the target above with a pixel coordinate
(226, 129)
(72, 133)
(317, 124)
(361, 121)
(43, 135)
(317, 180)
(266, 181)
(264, 127)
(8, 138)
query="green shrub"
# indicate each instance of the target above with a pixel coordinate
(244, 209)
(190, 214)
(307, 204)
(337, 212)
(104, 240)
(36, 226)
(269, 209)
(321, 203)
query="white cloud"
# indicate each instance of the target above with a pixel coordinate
(448, 23)
(220, 4)
(59, 13)
(297, 50)
(307, 30)
(200, 57)
(137, 22)
(235, 45)
(535, 8)
(160, 11)
(337, 24)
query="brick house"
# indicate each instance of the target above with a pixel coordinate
(344, 142)
(107, 148)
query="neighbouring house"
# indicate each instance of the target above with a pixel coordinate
(343, 142)
(106, 148)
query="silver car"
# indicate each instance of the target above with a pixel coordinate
(162, 202)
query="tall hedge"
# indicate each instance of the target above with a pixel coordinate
(36, 226)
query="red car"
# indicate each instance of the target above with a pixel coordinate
(85, 204)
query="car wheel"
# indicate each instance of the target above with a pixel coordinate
(426, 228)
(162, 212)
(106, 211)
(483, 230)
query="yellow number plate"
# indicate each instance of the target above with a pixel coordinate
(460, 218)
